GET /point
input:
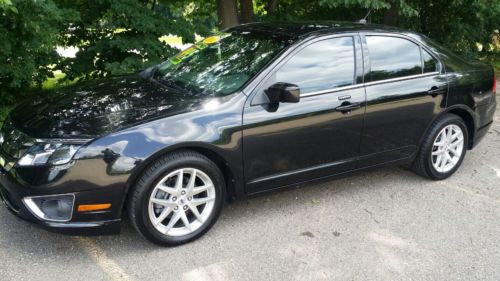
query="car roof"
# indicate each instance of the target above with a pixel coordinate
(303, 29)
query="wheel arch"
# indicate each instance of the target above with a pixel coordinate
(206, 150)
(467, 115)
(463, 112)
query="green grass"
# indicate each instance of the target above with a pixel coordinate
(57, 81)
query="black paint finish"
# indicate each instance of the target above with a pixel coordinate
(129, 121)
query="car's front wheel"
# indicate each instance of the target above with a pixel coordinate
(177, 199)
(443, 148)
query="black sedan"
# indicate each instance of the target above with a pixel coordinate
(255, 108)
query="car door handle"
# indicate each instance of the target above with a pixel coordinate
(434, 91)
(348, 107)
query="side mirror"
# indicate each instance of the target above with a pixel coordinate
(283, 92)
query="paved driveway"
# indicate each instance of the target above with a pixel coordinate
(386, 224)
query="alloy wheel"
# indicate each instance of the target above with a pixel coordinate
(181, 202)
(447, 148)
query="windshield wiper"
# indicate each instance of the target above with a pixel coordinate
(172, 84)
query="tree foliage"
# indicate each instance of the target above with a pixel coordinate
(29, 33)
(121, 36)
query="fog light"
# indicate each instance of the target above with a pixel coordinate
(51, 208)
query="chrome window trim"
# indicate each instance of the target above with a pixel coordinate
(333, 90)
(401, 78)
(63, 141)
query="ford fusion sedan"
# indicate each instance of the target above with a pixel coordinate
(256, 108)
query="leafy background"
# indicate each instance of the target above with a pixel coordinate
(122, 36)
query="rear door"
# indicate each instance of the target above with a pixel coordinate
(405, 90)
(313, 138)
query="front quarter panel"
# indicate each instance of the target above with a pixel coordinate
(215, 125)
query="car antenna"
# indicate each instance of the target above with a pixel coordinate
(363, 20)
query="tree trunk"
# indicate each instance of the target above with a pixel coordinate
(228, 15)
(391, 16)
(246, 7)
(271, 6)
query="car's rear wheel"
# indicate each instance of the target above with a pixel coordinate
(177, 199)
(443, 148)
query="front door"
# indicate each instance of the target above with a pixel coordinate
(315, 137)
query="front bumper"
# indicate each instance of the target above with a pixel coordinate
(14, 187)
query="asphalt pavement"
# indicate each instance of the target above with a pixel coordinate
(384, 224)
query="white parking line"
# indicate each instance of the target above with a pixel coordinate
(97, 254)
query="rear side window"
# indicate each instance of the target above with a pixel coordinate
(392, 57)
(323, 65)
(430, 64)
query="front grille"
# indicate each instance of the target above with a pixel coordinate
(15, 143)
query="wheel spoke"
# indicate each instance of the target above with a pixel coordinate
(442, 138)
(163, 216)
(163, 202)
(167, 189)
(457, 143)
(200, 189)
(186, 221)
(175, 218)
(438, 160)
(446, 160)
(200, 201)
(191, 183)
(449, 132)
(179, 180)
(197, 214)
(452, 159)
(454, 151)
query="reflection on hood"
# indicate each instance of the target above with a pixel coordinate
(93, 108)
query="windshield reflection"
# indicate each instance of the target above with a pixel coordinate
(221, 64)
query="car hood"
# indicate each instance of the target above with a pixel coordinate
(94, 108)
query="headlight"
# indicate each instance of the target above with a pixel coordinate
(48, 154)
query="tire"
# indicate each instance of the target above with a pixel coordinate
(426, 162)
(163, 211)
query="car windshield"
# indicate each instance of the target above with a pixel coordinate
(221, 64)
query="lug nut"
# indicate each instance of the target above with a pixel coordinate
(189, 198)
(183, 192)
(176, 208)
(174, 198)
(185, 207)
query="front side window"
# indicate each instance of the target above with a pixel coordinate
(323, 65)
(392, 57)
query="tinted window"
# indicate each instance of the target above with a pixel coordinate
(430, 64)
(392, 57)
(320, 66)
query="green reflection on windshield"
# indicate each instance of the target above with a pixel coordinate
(220, 64)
